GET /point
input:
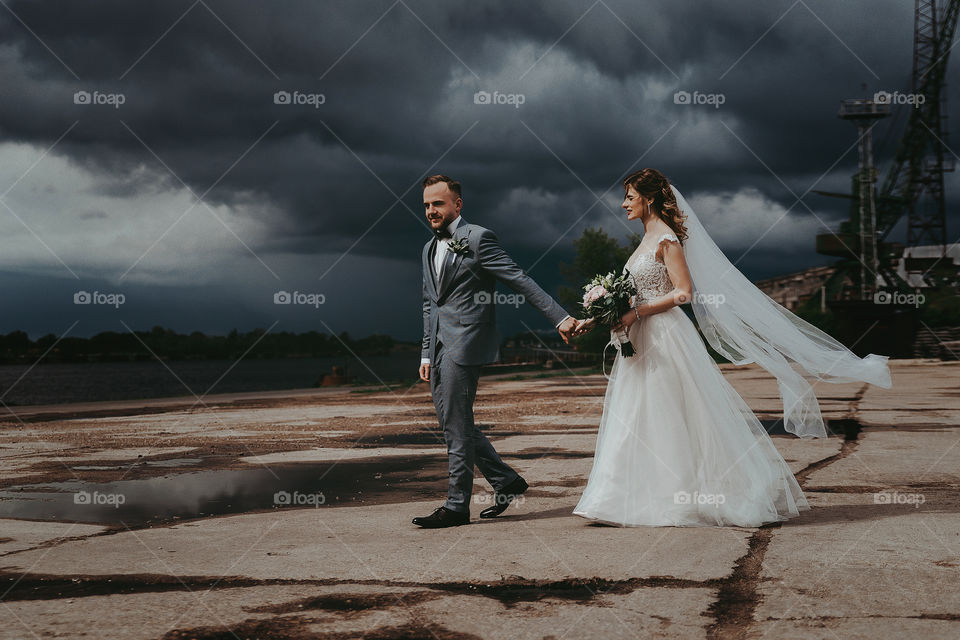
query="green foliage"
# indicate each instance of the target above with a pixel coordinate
(941, 307)
(809, 310)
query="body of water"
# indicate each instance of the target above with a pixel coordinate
(84, 382)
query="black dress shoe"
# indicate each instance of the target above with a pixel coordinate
(443, 517)
(502, 499)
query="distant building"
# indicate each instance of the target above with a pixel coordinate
(913, 279)
(793, 289)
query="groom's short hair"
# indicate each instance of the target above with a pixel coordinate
(437, 179)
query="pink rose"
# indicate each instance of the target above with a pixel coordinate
(593, 295)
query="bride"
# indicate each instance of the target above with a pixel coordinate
(677, 446)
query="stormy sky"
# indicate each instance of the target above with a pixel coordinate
(196, 157)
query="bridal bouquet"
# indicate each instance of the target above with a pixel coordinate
(606, 299)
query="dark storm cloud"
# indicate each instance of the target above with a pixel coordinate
(398, 80)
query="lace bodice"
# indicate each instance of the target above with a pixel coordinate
(649, 274)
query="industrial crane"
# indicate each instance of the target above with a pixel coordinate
(913, 187)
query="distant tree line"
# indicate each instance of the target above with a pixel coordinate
(111, 346)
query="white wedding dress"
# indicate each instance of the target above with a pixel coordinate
(677, 445)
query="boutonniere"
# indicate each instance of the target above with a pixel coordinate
(458, 246)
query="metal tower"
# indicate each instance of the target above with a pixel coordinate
(868, 311)
(864, 113)
(920, 161)
(914, 184)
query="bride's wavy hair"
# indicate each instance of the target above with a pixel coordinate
(654, 186)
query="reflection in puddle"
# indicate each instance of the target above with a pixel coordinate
(198, 494)
(216, 492)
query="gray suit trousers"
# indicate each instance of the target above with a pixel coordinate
(454, 388)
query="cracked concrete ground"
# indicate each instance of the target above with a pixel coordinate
(195, 552)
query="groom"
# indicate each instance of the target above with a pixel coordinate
(461, 266)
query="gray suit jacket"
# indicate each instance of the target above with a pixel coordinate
(461, 310)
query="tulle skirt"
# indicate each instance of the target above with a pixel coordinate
(677, 445)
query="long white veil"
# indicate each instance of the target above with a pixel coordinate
(744, 325)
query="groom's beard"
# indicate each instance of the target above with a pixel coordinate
(438, 220)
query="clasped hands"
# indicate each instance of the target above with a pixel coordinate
(566, 329)
(585, 326)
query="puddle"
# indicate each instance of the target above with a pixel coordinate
(173, 462)
(214, 492)
(201, 494)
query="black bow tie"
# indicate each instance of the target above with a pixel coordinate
(442, 233)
